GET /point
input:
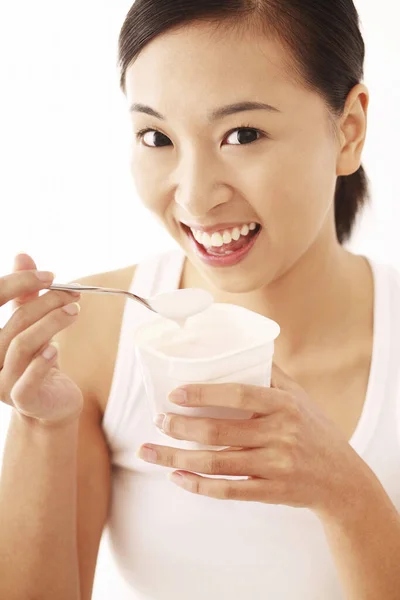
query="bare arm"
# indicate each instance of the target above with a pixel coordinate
(365, 544)
(54, 498)
(55, 481)
(38, 544)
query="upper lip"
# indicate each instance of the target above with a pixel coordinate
(219, 227)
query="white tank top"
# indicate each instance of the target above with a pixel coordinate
(173, 545)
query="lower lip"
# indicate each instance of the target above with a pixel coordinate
(228, 260)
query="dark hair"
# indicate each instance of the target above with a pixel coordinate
(323, 37)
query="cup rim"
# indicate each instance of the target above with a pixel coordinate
(276, 330)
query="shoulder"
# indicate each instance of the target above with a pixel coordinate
(387, 280)
(88, 349)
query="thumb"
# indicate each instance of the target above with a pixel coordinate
(24, 262)
(282, 381)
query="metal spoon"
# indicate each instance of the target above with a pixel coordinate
(192, 301)
(77, 287)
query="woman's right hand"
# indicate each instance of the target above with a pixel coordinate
(31, 381)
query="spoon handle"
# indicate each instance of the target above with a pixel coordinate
(77, 287)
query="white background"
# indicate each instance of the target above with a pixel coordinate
(66, 195)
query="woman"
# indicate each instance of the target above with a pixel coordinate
(249, 120)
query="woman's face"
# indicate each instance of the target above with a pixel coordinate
(200, 172)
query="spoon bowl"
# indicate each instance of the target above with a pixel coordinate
(177, 305)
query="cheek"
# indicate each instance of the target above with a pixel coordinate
(148, 182)
(300, 185)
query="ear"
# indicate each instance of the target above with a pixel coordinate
(352, 130)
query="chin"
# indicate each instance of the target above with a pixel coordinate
(237, 283)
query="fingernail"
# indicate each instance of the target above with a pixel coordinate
(18, 254)
(72, 309)
(50, 351)
(45, 275)
(177, 478)
(148, 454)
(159, 421)
(179, 396)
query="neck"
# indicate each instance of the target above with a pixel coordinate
(319, 302)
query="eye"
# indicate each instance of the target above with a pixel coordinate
(152, 138)
(244, 135)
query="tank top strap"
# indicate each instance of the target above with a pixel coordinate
(157, 274)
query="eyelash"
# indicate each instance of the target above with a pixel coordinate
(142, 132)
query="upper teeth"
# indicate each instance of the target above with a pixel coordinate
(220, 238)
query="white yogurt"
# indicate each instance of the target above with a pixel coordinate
(179, 305)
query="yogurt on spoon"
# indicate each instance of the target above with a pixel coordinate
(179, 305)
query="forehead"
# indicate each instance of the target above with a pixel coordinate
(197, 67)
(198, 55)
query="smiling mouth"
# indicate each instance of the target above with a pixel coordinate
(224, 248)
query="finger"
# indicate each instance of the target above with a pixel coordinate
(248, 490)
(29, 384)
(19, 285)
(32, 384)
(260, 400)
(30, 343)
(281, 380)
(24, 262)
(251, 433)
(32, 312)
(200, 461)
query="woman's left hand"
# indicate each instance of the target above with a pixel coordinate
(290, 451)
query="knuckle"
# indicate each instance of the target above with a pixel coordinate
(19, 345)
(264, 395)
(53, 318)
(230, 492)
(242, 395)
(170, 424)
(175, 425)
(253, 428)
(216, 464)
(29, 279)
(196, 487)
(278, 462)
(289, 441)
(214, 434)
(171, 460)
(199, 395)
(20, 319)
(287, 465)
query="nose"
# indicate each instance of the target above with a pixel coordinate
(201, 186)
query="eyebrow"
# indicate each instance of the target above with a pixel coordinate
(214, 115)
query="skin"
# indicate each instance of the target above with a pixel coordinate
(289, 449)
(203, 176)
(206, 177)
